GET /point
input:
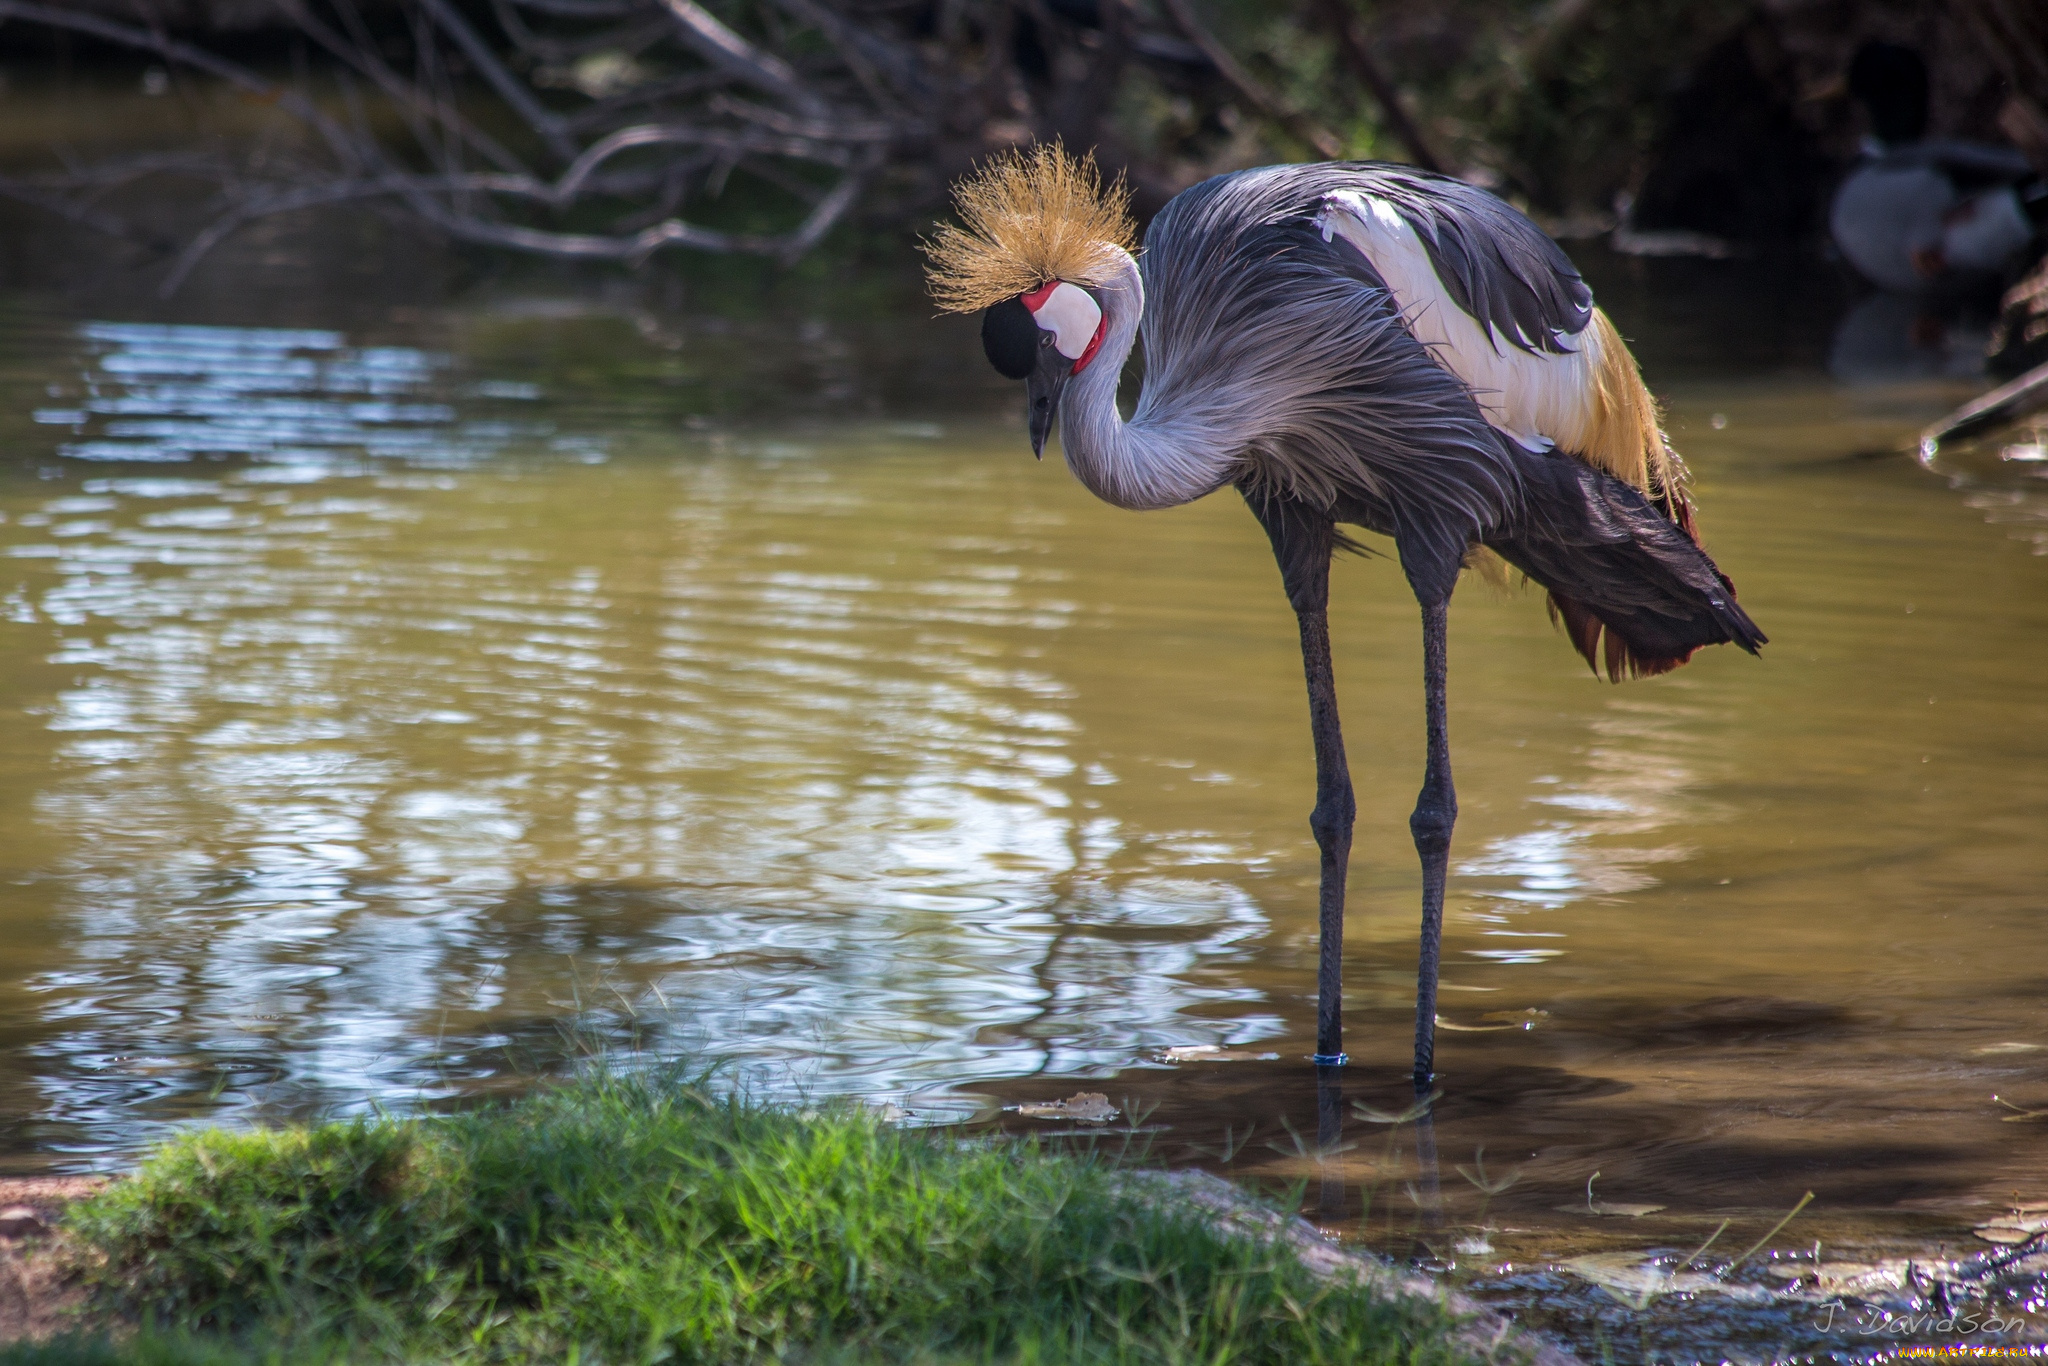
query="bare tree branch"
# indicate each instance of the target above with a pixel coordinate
(521, 123)
(73, 212)
(587, 9)
(671, 232)
(1262, 100)
(363, 57)
(1351, 45)
(720, 46)
(875, 63)
(823, 130)
(514, 92)
(606, 111)
(420, 190)
(344, 147)
(654, 135)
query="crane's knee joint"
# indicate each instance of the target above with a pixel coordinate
(1332, 818)
(1431, 826)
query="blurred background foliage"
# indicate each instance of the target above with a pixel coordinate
(1675, 126)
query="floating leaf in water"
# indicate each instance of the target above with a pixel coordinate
(1862, 1276)
(1442, 1023)
(1622, 1211)
(1847, 1278)
(2002, 1234)
(1627, 1276)
(1091, 1107)
(2024, 1224)
(1209, 1052)
(2018, 1115)
(1616, 1209)
(1635, 1280)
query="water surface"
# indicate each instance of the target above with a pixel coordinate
(389, 712)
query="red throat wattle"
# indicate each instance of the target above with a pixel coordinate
(1094, 344)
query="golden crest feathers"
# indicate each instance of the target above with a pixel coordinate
(1030, 216)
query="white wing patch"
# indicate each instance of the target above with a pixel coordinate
(1540, 399)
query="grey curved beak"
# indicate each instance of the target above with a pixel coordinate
(1047, 380)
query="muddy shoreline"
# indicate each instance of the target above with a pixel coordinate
(1849, 1301)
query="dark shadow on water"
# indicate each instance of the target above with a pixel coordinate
(1724, 1020)
(1490, 1189)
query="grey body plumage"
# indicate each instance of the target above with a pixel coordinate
(1290, 348)
(1258, 327)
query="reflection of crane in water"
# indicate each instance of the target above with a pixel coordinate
(1357, 344)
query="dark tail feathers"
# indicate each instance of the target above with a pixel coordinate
(1617, 566)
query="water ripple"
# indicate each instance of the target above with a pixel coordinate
(358, 775)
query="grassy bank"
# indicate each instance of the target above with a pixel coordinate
(637, 1220)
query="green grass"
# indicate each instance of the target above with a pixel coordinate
(627, 1219)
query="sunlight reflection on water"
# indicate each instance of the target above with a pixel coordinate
(163, 392)
(358, 739)
(369, 714)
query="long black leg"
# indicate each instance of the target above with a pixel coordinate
(1331, 822)
(1429, 1192)
(1436, 812)
(1303, 539)
(1329, 1140)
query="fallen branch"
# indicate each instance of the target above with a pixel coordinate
(2006, 403)
(492, 122)
(421, 194)
(654, 135)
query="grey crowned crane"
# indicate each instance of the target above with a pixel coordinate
(1350, 344)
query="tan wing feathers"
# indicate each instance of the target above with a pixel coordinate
(1622, 435)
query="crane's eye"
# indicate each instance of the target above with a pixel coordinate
(1011, 339)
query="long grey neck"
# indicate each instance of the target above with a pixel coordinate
(1143, 463)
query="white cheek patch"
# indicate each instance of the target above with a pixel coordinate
(1071, 316)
